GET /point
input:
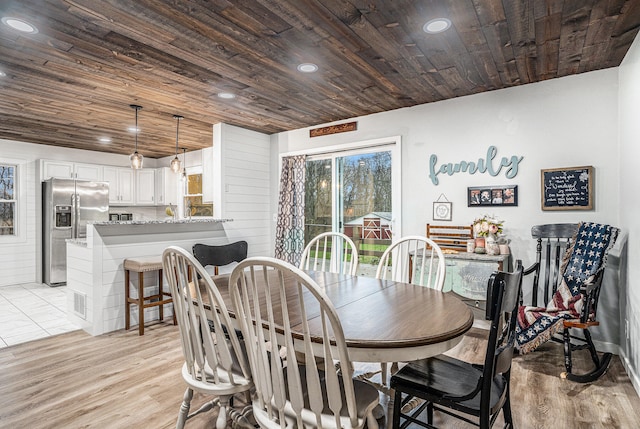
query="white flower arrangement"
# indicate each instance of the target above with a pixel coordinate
(486, 225)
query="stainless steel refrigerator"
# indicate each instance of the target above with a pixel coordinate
(67, 206)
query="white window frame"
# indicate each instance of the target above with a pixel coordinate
(20, 198)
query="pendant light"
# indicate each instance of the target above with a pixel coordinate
(175, 162)
(184, 170)
(136, 158)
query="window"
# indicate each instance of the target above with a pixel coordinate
(355, 191)
(193, 198)
(8, 200)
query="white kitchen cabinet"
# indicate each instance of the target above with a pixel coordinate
(166, 186)
(91, 172)
(71, 170)
(145, 186)
(121, 185)
(57, 169)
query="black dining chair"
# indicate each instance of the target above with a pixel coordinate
(452, 386)
(218, 256)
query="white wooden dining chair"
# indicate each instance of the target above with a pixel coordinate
(214, 365)
(332, 252)
(292, 391)
(412, 259)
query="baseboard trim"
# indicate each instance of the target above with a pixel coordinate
(633, 375)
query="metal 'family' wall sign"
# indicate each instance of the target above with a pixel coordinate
(486, 165)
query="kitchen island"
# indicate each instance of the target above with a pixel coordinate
(95, 277)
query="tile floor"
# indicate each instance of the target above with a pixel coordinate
(31, 311)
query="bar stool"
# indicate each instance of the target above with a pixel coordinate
(142, 265)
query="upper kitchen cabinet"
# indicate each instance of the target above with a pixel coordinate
(121, 185)
(166, 186)
(71, 170)
(145, 186)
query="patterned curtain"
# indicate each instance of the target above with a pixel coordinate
(290, 227)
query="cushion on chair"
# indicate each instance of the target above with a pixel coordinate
(142, 264)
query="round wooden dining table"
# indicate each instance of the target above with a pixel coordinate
(385, 321)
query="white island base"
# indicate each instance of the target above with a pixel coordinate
(95, 277)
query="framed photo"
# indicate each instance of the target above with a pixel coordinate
(492, 196)
(441, 210)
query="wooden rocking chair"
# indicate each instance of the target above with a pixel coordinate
(556, 243)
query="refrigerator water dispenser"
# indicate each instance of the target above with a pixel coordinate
(63, 216)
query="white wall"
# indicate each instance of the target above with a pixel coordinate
(19, 250)
(243, 190)
(629, 105)
(558, 123)
(565, 122)
(19, 255)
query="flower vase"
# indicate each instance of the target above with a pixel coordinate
(479, 245)
(491, 245)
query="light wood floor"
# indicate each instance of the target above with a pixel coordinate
(122, 380)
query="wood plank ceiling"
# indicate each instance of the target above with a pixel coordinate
(73, 81)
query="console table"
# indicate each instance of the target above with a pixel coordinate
(468, 274)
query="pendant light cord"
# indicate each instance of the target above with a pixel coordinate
(177, 118)
(177, 130)
(137, 108)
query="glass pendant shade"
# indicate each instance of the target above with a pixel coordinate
(175, 162)
(136, 158)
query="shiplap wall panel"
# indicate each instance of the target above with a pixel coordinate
(100, 274)
(18, 256)
(243, 171)
(80, 269)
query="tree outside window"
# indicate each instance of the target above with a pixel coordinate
(7, 199)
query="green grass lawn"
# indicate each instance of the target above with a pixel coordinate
(363, 248)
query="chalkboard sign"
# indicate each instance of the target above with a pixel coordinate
(567, 188)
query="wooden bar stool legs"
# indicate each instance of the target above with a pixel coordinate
(142, 265)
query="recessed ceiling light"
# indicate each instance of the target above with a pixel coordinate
(226, 95)
(437, 25)
(19, 24)
(307, 68)
(104, 140)
(134, 129)
(2, 74)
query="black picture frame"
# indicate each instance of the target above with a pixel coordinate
(482, 196)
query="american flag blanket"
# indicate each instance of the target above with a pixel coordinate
(584, 259)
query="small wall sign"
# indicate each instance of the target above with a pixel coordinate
(487, 165)
(333, 129)
(442, 208)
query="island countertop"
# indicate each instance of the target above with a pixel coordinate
(106, 228)
(95, 273)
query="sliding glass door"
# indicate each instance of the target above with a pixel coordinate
(353, 193)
